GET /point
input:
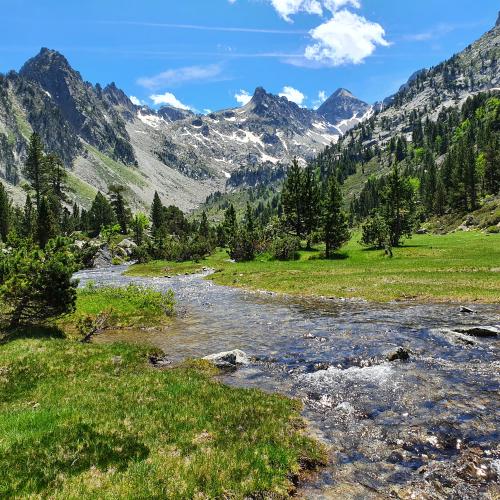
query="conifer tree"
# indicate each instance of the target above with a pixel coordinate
(249, 219)
(4, 213)
(204, 229)
(310, 203)
(29, 221)
(334, 219)
(35, 169)
(47, 224)
(157, 214)
(230, 223)
(122, 212)
(101, 214)
(292, 199)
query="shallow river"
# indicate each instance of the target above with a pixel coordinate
(423, 428)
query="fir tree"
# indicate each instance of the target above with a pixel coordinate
(334, 219)
(310, 203)
(47, 224)
(29, 221)
(249, 219)
(204, 229)
(230, 223)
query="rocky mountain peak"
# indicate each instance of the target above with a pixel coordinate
(46, 67)
(342, 105)
(498, 20)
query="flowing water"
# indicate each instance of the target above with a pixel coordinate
(427, 427)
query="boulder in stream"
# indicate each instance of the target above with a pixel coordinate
(400, 353)
(228, 359)
(479, 331)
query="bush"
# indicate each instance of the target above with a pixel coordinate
(493, 230)
(36, 285)
(285, 248)
(242, 246)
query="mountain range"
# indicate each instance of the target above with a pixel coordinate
(103, 138)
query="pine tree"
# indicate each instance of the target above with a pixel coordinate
(122, 212)
(399, 206)
(249, 219)
(47, 225)
(310, 203)
(35, 169)
(230, 223)
(4, 213)
(101, 214)
(334, 219)
(204, 229)
(29, 221)
(157, 215)
(292, 199)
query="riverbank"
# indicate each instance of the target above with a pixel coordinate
(457, 267)
(88, 420)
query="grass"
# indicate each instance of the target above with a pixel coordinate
(80, 420)
(83, 190)
(127, 307)
(97, 421)
(115, 171)
(457, 267)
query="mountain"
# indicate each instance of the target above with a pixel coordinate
(104, 138)
(345, 110)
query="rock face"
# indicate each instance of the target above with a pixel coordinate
(229, 359)
(102, 258)
(342, 106)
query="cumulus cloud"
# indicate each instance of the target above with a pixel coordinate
(346, 38)
(173, 77)
(320, 100)
(293, 95)
(287, 8)
(242, 97)
(169, 99)
(135, 100)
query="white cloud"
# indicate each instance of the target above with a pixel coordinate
(169, 99)
(135, 100)
(287, 8)
(346, 38)
(242, 97)
(177, 76)
(293, 95)
(320, 100)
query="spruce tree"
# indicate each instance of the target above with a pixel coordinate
(204, 229)
(249, 219)
(4, 213)
(29, 220)
(334, 219)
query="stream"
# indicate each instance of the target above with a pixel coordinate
(427, 427)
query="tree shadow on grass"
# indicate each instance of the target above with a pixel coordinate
(8, 334)
(335, 256)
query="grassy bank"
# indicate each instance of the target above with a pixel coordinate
(96, 421)
(458, 267)
(99, 421)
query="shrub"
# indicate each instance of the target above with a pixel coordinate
(375, 232)
(285, 248)
(37, 284)
(242, 246)
(493, 230)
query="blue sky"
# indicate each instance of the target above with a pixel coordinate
(209, 54)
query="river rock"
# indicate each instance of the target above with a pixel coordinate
(127, 246)
(467, 310)
(102, 258)
(228, 359)
(479, 331)
(400, 353)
